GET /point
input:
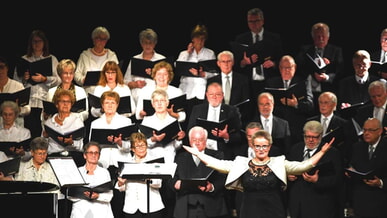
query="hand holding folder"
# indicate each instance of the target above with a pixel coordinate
(60, 138)
(171, 132)
(85, 192)
(42, 66)
(101, 135)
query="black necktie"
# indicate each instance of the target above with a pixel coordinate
(370, 151)
(307, 154)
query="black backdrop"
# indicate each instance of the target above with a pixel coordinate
(68, 25)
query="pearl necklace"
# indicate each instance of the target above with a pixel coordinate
(98, 53)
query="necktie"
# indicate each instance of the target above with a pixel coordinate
(196, 160)
(228, 90)
(370, 152)
(384, 59)
(325, 125)
(307, 154)
(266, 125)
(256, 38)
(286, 84)
(213, 117)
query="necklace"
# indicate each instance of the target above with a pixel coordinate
(59, 118)
(98, 53)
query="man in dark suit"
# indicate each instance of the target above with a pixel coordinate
(380, 57)
(206, 200)
(297, 103)
(378, 94)
(315, 193)
(239, 85)
(369, 195)
(214, 110)
(353, 89)
(312, 57)
(276, 126)
(223, 139)
(265, 49)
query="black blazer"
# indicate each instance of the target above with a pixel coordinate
(350, 91)
(347, 133)
(226, 112)
(240, 91)
(321, 198)
(334, 70)
(213, 202)
(295, 116)
(271, 44)
(280, 133)
(369, 201)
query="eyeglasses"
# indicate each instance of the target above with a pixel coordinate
(92, 152)
(218, 95)
(370, 130)
(41, 153)
(312, 137)
(261, 147)
(64, 102)
(141, 145)
(110, 72)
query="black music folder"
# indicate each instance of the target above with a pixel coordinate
(325, 167)
(74, 134)
(282, 92)
(179, 104)
(379, 67)
(350, 112)
(10, 167)
(5, 146)
(22, 97)
(78, 191)
(337, 133)
(138, 66)
(210, 125)
(42, 66)
(191, 184)
(170, 131)
(49, 107)
(357, 175)
(100, 135)
(258, 48)
(92, 78)
(124, 106)
(182, 67)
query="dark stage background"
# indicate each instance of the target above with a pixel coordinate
(68, 25)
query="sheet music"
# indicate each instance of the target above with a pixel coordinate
(66, 171)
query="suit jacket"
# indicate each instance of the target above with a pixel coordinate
(226, 112)
(321, 198)
(213, 202)
(375, 56)
(350, 91)
(366, 112)
(270, 46)
(347, 135)
(369, 201)
(295, 116)
(280, 133)
(334, 70)
(240, 91)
